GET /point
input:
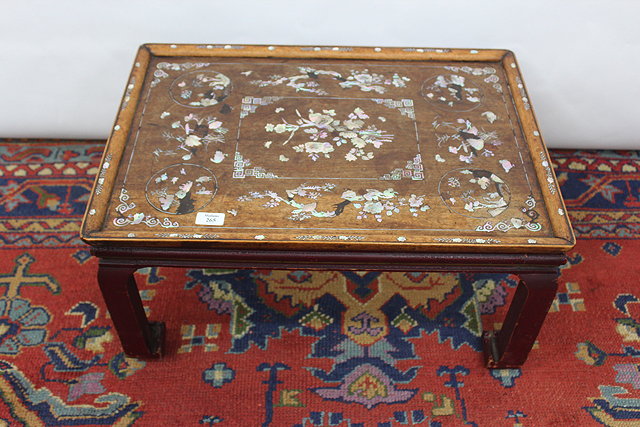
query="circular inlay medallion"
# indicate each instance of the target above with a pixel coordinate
(181, 188)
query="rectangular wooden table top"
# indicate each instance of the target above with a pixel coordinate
(322, 148)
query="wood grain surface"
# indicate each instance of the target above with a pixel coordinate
(327, 148)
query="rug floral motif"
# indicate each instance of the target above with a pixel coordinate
(301, 348)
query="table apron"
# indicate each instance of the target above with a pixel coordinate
(291, 260)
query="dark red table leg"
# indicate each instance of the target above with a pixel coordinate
(509, 347)
(139, 338)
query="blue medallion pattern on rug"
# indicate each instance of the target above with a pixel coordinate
(364, 322)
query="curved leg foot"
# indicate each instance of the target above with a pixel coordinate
(139, 338)
(510, 346)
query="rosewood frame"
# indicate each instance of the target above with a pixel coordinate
(506, 348)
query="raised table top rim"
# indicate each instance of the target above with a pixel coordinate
(562, 241)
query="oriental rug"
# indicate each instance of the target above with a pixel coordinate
(299, 348)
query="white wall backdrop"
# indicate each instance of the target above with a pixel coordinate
(64, 63)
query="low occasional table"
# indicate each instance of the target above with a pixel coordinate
(345, 158)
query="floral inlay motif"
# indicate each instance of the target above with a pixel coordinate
(465, 139)
(181, 188)
(138, 217)
(325, 134)
(304, 200)
(200, 88)
(307, 80)
(330, 131)
(191, 133)
(452, 91)
(476, 193)
(375, 203)
(367, 204)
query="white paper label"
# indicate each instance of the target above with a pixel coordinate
(209, 218)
